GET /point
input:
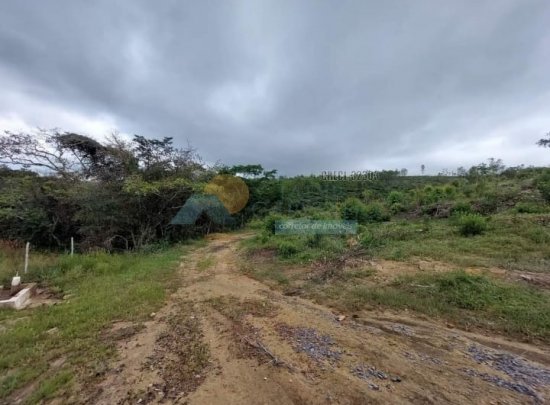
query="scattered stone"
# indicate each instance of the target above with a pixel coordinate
(311, 342)
(423, 357)
(499, 382)
(402, 329)
(340, 318)
(516, 367)
(365, 372)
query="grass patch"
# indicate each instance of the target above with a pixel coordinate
(206, 263)
(465, 299)
(513, 241)
(269, 272)
(103, 288)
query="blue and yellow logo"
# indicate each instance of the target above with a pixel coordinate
(223, 196)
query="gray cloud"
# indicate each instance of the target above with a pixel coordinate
(300, 86)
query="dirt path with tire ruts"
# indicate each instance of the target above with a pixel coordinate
(224, 338)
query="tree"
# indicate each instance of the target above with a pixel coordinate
(114, 194)
(422, 169)
(41, 151)
(545, 142)
(403, 172)
(495, 166)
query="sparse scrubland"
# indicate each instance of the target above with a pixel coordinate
(470, 251)
(480, 232)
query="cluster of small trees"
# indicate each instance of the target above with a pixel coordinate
(115, 195)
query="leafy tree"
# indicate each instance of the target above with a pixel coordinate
(544, 142)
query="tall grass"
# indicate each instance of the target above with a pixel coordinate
(465, 299)
(100, 288)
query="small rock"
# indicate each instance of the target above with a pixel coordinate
(52, 331)
(396, 379)
(153, 314)
(525, 277)
(341, 318)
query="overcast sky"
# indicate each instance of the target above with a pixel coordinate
(300, 86)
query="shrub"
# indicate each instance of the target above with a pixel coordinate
(472, 224)
(375, 212)
(529, 208)
(353, 209)
(449, 190)
(543, 185)
(461, 207)
(314, 240)
(287, 248)
(396, 197)
(397, 208)
(270, 221)
(487, 204)
(369, 240)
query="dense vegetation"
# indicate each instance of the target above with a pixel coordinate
(115, 195)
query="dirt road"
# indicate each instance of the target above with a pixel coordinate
(224, 338)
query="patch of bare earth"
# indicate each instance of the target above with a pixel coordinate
(224, 338)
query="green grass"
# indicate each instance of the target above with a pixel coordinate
(206, 263)
(509, 240)
(102, 288)
(299, 249)
(516, 242)
(468, 300)
(271, 273)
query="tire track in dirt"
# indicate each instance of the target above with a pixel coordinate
(382, 357)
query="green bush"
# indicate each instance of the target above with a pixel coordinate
(397, 208)
(314, 240)
(461, 207)
(353, 209)
(375, 212)
(287, 248)
(369, 240)
(471, 224)
(543, 185)
(270, 221)
(487, 204)
(529, 208)
(396, 197)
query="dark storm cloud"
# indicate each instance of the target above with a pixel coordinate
(301, 86)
